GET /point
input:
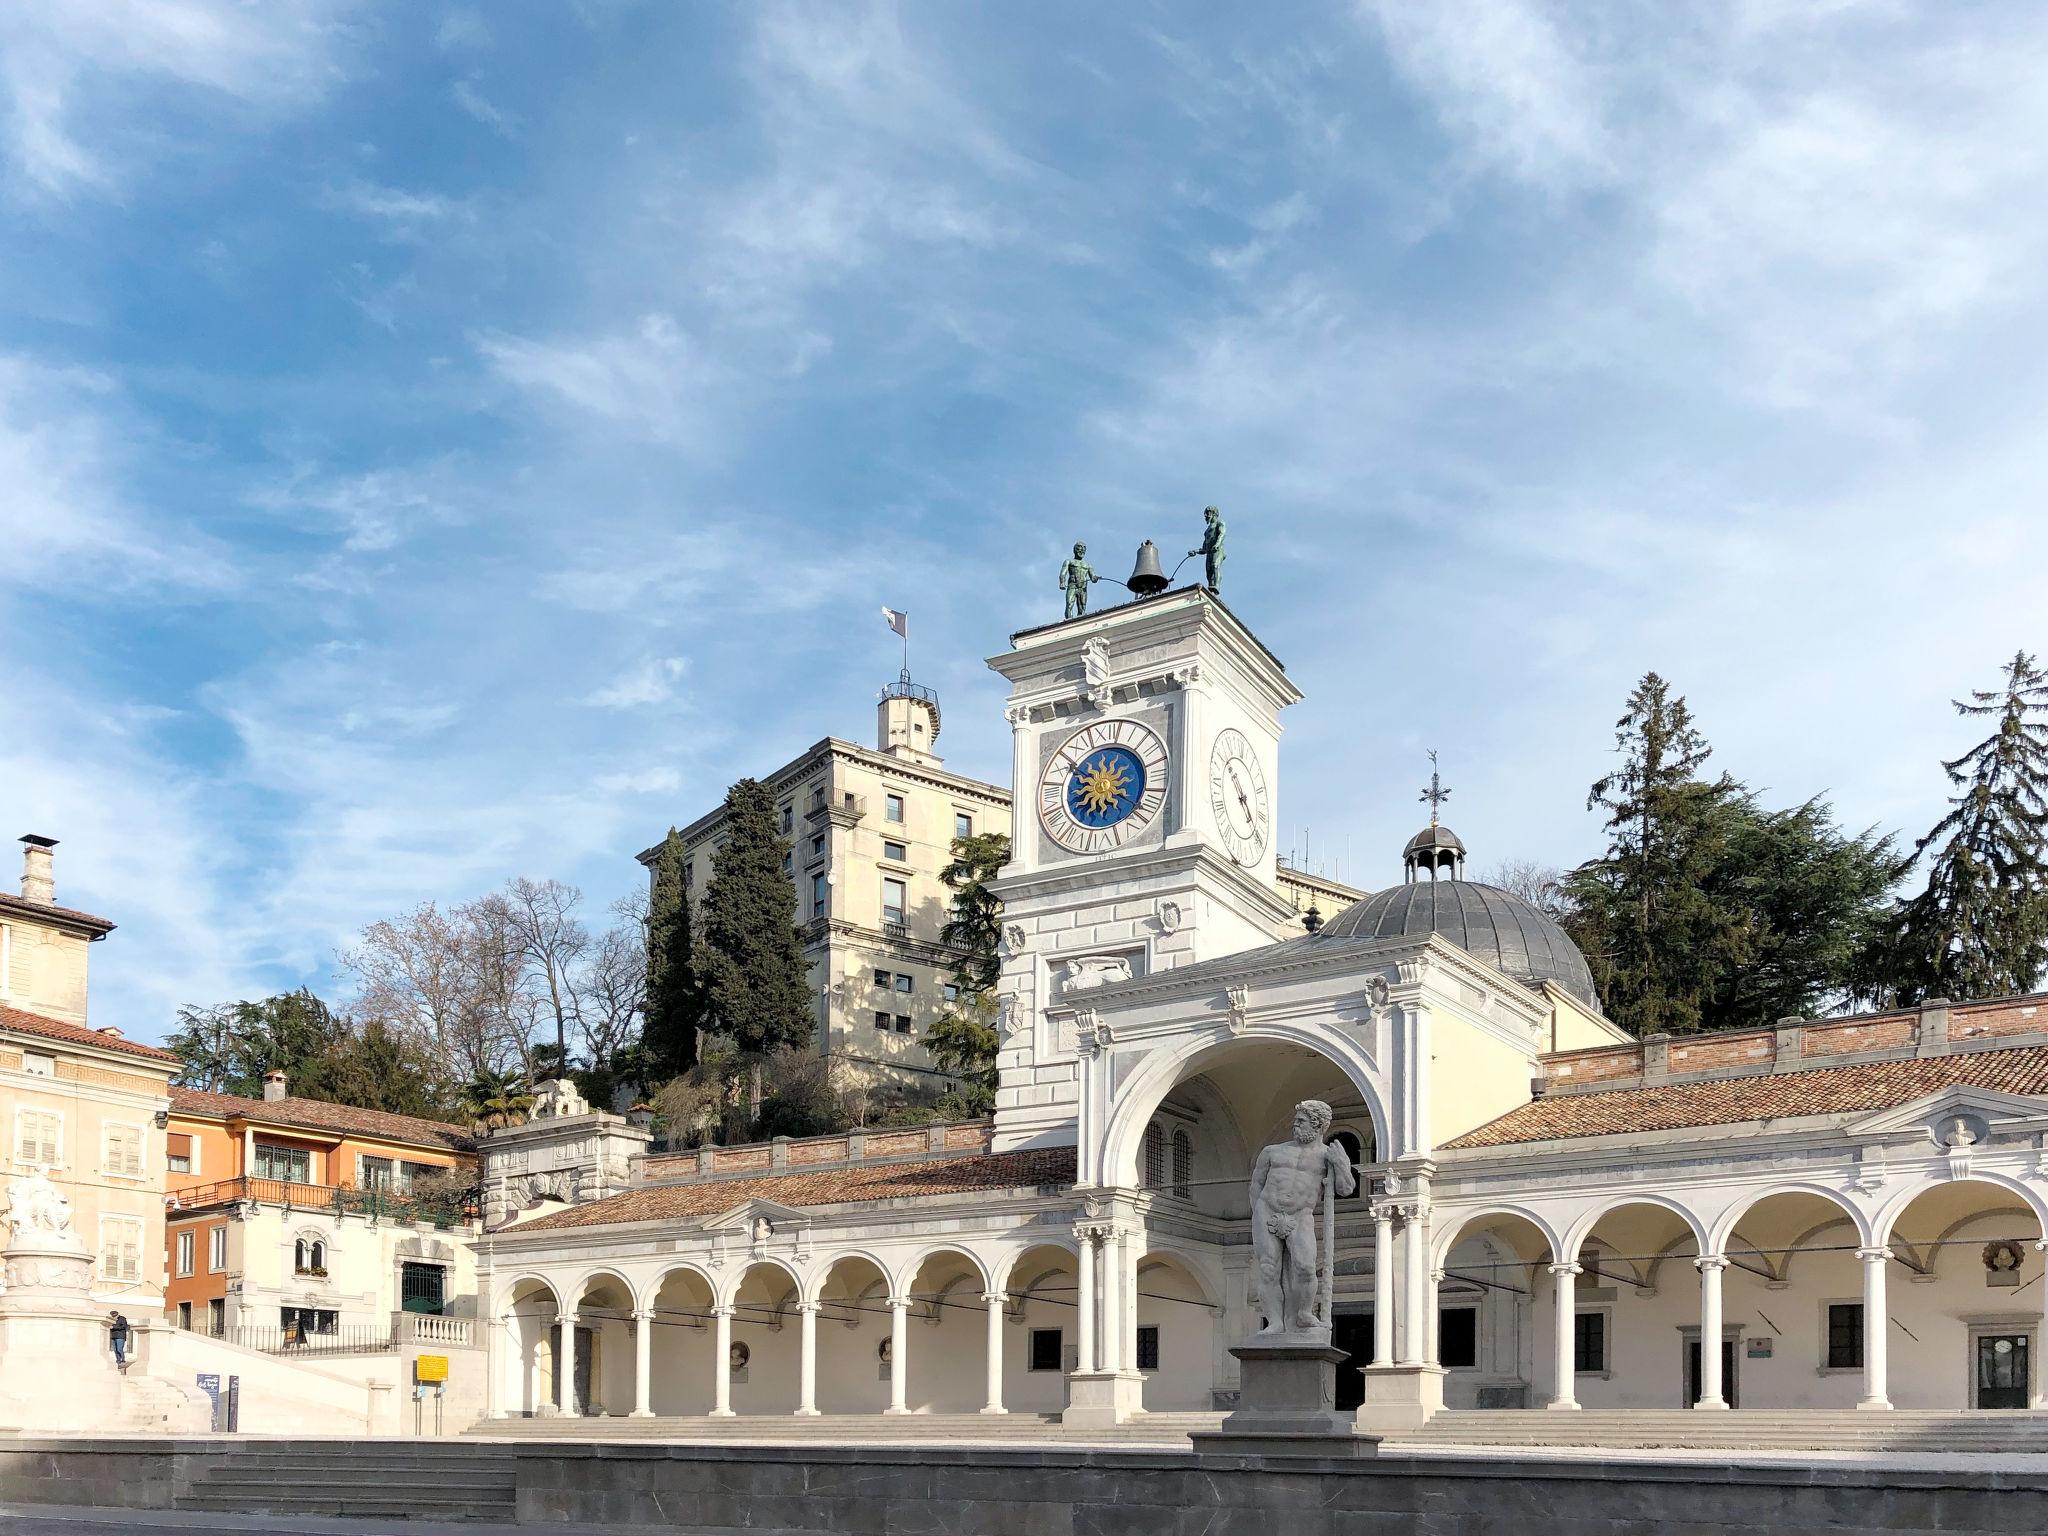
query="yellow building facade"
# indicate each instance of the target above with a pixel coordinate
(82, 1105)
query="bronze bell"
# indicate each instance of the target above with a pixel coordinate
(1146, 577)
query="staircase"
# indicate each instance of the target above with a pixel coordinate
(1739, 1429)
(420, 1481)
(1167, 1430)
(150, 1406)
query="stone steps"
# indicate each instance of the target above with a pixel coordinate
(837, 1429)
(1740, 1429)
(397, 1482)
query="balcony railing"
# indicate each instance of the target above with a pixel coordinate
(340, 1199)
(431, 1328)
(342, 1339)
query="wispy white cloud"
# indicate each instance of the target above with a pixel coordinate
(72, 74)
(472, 100)
(653, 681)
(651, 379)
(395, 204)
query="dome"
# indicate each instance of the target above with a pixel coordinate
(1433, 838)
(1488, 923)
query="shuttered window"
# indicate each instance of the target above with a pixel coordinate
(178, 1152)
(37, 1135)
(124, 1151)
(120, 1248)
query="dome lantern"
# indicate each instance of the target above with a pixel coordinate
(1436, 847)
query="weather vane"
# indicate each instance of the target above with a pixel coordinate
(1436, 794)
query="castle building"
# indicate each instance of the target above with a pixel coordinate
(868, 832)
(1834, 1214)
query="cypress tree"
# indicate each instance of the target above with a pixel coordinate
(751, 961)
(674, 1009)
(1979, 928)
(964, 1040)
(1644, 916)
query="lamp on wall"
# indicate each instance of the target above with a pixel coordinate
(162, 1118)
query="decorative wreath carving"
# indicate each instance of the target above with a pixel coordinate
(2002, 1256)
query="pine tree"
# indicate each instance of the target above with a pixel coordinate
(1980, 926)
(1643, 915)
(674, 1005)
(750, 961)
(964, 1040)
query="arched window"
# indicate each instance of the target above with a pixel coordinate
(299, 1254)
(318, 1254)
(1183, 1165)
(1155, 1156)
(1354, 1153)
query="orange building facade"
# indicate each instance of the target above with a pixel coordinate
(304, 1219)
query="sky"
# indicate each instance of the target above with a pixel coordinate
(441, 443)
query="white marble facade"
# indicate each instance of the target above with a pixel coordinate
(1163, 1012)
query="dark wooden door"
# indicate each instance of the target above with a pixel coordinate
(1692, 1372)
(2003, 1372)
(1352, 1333)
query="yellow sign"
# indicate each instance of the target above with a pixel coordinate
(430, 1368)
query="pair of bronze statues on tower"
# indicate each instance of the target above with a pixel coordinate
(1077, 575)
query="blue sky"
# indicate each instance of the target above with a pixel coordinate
(443, 443)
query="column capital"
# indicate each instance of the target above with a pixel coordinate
(1878, 1255)
(2041, 1245)
(1710, 1263)
(810, 1308)
(995, 1298)
(899, 1303)
(643, 1315)
(1561, 1270)
(721, 1311)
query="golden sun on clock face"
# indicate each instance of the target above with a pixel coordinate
(1104, 786)
(1238, 798)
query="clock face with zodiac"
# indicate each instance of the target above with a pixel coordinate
(1104, 786)
(1237, 794)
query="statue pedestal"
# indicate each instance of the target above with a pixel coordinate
(1100, 1399)
(1400, 1397)
(60, 1373)
(1287, 1403)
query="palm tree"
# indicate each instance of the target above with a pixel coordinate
(494, 1100)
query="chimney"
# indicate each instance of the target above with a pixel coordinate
(38, 880)
(273, 1087)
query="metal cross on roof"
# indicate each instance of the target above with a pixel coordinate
(1436, 794)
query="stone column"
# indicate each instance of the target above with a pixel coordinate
(1084, 1302)
(1875, 1324)
(1133, 1249)
(1564, 1394)
(2041, 1375)
(494, 1369)
(1112, 1300)
(1710, 1266)
(1415, 1332)
(899, 1348)
(721, 1364)
(993, 1300)
(807, 1363)
(1382, 1286)
(565, 1367)
(643, 1364)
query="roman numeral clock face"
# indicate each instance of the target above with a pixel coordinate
(1237, 794)
(1104, 786)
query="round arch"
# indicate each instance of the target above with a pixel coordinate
(813, 1289)
(502, 1297)
(1456, 1223)
(1163, 1071)
(1725, 1224)
(730, 1293)
(1582, 1229)
(1888, 1217)
(900, 1283)
(1005, 1263)
(581, 1287)
(689, 1267)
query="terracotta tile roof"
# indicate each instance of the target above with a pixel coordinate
(824, 1186)
(51, 913)
(1861, 1088)
(76, 1034)
(318, 1115)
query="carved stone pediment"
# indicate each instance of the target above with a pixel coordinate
(1959, 1116)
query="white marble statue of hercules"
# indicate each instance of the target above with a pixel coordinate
(1287, 1189)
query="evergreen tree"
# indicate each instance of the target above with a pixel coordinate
(1644, 914)
(674, 1008)
(751, 961)
(377, 1067)
(1812, 897)
(964, 1040)
(227, 1048)
(1979, 928)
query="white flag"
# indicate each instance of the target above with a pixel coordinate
(899, 622)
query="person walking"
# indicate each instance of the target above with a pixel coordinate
(117, 1334)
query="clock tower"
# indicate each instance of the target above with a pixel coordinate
(1145, 759)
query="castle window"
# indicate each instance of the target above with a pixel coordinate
(1457, 1337)
(1155, 1156)
(904, 984)
(1045, 1349)
(895, 899)
(881, 978)
(1845, 1335)
(896, 851)
(1183, 1165)
(963, 824)
(1148, 1347)
(892, 809)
